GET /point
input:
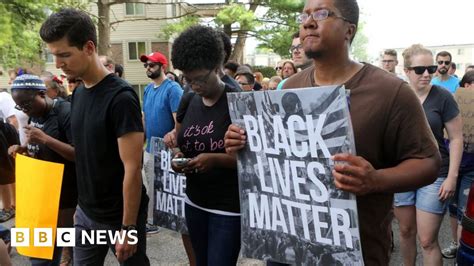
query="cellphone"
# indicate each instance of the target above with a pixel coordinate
(180, 161)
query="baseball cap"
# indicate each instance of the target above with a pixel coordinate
(155, 57)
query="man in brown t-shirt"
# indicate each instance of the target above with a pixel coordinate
(396, 149)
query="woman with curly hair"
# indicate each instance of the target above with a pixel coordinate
(212, 196)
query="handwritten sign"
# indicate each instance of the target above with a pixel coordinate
(465, 99)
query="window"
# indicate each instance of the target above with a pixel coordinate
(48, 56)
(139, 90)
(134, 9)
(135, 49)
(460, 51)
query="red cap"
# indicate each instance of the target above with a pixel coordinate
(155, 57)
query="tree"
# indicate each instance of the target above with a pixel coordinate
(359, 45)
(105, 24)
(273, 28)
(20, 21)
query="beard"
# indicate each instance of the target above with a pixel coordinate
(313, 54)
(155, 74)
(442, 70)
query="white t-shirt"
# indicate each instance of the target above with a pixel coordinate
(7, 106)
(22, 119)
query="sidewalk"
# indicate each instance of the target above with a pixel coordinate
(163, 248)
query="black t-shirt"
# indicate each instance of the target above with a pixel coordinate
(188, 94)
(202, 131)
(100, 115)
(440, 107)
(57, 124)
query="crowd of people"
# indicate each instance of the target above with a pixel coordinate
(96, 126)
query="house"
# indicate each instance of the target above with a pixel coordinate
(130, 39)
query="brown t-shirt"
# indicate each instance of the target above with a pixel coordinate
(389, 127)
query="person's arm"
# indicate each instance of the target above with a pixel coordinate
(410, 148)
(13, 121)
(358, 176)
(130, 150)
(36, 135)
(454, 129)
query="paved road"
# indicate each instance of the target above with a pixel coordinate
(165, 248)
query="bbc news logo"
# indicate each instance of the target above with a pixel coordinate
(66, 237)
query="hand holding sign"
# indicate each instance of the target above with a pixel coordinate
(234, 139)
(354, 174)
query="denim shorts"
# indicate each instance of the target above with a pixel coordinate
(425, 198)
(457, 205)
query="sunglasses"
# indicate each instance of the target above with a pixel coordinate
(421, 69)
(151, 65)
(388, 61)
(278, 68)
(446, 63)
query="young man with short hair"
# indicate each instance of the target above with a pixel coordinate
(107, 133)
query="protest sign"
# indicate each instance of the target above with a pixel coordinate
(169, 190)
(38, 188)
(465, 99)
(291, 209)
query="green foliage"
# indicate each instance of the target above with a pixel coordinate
(266, 71)
(237, 13)
(359, 45)
(17, 26)
(273, 29)
(279, 25)
(20, 21)
(176, 28)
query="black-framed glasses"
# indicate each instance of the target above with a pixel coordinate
(318, 15)
(151, 65)
(293, 48)
(421, 69)
(26, 105)
(200, 80)
(278, 68)
(446, 63)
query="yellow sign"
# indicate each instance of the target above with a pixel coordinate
(38, 188)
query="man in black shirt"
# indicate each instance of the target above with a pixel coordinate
(107, 133)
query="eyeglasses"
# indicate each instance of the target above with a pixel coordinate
(151, 65)
(26, 105)
(421, 69)
(388, 61)
(318, 15)
(446, 63)
(243, 83)
(278, 68)
(199, 81)
(294, 48)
